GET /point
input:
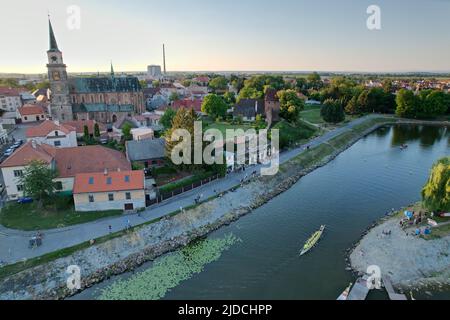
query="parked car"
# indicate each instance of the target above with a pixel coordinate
(8, 152)
(25, 200)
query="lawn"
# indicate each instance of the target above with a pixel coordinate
(294, 134)
(312, 114)
(62, 213)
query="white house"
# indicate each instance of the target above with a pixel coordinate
(10, 99)
(31, 113)
(54, 134)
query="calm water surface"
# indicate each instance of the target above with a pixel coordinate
(347, 195)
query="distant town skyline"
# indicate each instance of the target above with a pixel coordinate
(250, 35)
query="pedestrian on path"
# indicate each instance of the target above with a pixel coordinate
(110, 229)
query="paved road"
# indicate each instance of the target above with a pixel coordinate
(14, 243)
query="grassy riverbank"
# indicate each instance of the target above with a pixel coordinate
(30, 217)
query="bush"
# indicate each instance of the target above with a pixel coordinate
(332, 111)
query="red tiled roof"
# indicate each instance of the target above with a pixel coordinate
(26, 153)
(11, 92)
(188, 104)
(31, 110)
(89, 159)
(70, 161)
(46, 127)
(201, 79)
(119, 181)
(79, 125)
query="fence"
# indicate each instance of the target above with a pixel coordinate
(167, 195)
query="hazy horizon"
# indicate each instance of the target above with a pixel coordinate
(227, 36)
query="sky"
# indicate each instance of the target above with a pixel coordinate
(228, 35)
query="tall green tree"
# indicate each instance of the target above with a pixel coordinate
(290, 105)
(167, 118)
(96, 130)
(218, 84)
(332, 111)
(126, 130)
(436, 193)
(407, 104)
(214, 106)
(37, 181)
(184, 119)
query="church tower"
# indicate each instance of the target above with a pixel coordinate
(60, 107)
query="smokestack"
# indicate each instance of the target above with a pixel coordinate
(164, 58)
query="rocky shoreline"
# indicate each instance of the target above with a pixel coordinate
(412, 263)
(145, 244)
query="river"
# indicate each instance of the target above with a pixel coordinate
(348, 195)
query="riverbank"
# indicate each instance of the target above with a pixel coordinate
(144, 244)
(413, 263)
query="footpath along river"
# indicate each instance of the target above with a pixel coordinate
(348, 195)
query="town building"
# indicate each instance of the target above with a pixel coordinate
(104, 99)
(60, 107)
(54, 134)
(68, 162)
(110, 190)
(248, 109)
(3, 135)
(272, 106)
(10, 99)
(154, 72)
(149, 153)
(30, 113)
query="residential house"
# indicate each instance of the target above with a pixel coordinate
(68, 162)
(202, 81)
(248, 109)
(195, 104)
(149, 153)
(110, 190)
(54, 134)
(31, 113)
(142, 133)
(10, 99)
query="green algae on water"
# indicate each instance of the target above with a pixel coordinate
(169, 271)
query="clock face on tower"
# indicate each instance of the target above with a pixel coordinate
(54, 59)
(56, 76)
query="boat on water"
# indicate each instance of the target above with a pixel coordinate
(344, 295)
(312, 241)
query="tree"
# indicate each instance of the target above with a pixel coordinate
(86, 135)
(363, 101)
(37, 181)
(156, 83)
(96, 130)
(186, 83)
(218, 84)
(230, 98)
(352, 106)
(126, 130)
(436, 193)
(314, 81)
(332, 111)
(184, 119)
(433, 104)
(214, 106)
(167, 118)
(174, 96)
(143, 83)
(407, 103)
(290, 105)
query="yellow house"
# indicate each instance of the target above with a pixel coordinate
(118, 190)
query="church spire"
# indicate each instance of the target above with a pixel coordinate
(112, 70)
(53, 43)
